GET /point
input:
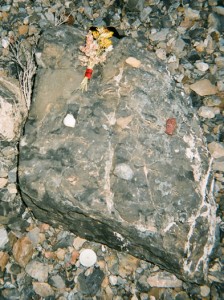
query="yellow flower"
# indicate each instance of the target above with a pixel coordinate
(95, 34)
(98, 44)
(104, 43)
(104, 32)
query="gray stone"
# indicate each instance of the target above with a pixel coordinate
(123, 171)
(57, 282)
(34, 236)
(89, 285)
(145, 13)
(165, 212)
(135, 5)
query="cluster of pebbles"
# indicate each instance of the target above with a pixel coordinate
(41, 262)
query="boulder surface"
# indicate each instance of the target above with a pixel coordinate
(133, 170)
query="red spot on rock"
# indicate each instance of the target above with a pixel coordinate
(171, 125)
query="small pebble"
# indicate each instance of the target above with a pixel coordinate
(204, 87)
(123, 171)
(113, 279)
(69, 121)
(134, 62)
(4, 258)
(87, 257)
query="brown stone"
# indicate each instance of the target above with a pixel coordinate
(204, 87)
(43, 289)
(74, 257)
(23, 29)
(23, 251)
(134, 62)
(128, 264)
(4, 257)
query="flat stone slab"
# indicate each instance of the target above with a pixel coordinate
(134, 171)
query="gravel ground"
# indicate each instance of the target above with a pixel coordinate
(41, 262)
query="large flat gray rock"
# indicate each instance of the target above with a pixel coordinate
(117, 177)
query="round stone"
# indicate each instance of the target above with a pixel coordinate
(88, 258)
(123, 171)
(69, 121)
(205, 291)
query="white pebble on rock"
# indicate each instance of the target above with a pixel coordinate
(123, 171)
(113, 279)
(88, 258)
(69, 121)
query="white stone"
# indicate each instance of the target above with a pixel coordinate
(5, 42)
(201, 66)
(69, 121)
(172, 59)
(88, 258)
(3, 237)
(204, 290)
(124, 171)
(26, 21)
(113, 280)
(216, 149)
(206, 112)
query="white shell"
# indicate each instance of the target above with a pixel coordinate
(69, 121)
(88, 258)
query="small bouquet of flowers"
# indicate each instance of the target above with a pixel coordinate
(98, 44)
